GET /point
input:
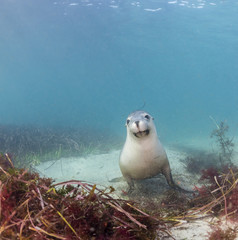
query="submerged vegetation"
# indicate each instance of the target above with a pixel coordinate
(219, 192)
(220, 234)
(34, 208)
(31, 145)
(218, 196)
(225, 144)
(198, 161)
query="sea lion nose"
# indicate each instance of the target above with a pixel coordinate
(137, 123)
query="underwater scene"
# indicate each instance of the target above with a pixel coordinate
(119, 119)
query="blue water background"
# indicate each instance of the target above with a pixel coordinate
(90, 63)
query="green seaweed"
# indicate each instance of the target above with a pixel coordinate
(200, 160)
(31, 145)
(225, 143)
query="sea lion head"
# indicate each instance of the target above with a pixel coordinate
(140, 124)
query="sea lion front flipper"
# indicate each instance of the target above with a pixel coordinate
(167, 173)
(131, 184)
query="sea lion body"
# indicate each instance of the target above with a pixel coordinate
(143, 156)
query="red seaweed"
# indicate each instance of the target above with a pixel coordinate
(34, 208)
(220, 234)
(219, 191)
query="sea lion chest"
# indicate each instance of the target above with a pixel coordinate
(143, 158)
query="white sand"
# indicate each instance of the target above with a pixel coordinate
(101, 168)
(96, 169)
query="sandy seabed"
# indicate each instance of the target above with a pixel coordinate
(103, 169)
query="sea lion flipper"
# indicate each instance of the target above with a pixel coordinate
(167, 173)
(130, 184)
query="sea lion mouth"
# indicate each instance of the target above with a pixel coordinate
(142, 133)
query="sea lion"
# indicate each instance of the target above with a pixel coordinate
(143, 156)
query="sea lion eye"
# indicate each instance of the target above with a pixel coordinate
(127, 121)
(147, 116)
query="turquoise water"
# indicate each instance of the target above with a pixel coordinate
(90, 63)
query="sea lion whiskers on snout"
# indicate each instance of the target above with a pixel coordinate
(143, 156)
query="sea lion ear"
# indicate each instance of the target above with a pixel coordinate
(152, 118)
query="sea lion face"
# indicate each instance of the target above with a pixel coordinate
(139, 124)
